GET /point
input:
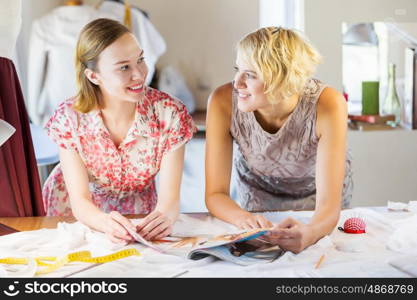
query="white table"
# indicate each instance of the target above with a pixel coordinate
(366, 255)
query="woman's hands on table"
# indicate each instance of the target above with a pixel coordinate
(154, 226)
(291, 235)
(252, 221)
(115, 226)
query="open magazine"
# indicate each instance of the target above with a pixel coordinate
(245, 247)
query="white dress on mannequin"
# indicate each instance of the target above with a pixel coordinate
(51, 70)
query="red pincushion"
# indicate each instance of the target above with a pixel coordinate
(354, 225)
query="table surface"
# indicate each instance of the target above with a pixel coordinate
(33, 223)
(8, 224)
(371, 261)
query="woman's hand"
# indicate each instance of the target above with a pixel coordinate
(251, 221)
(291, 235)
(114, 226)
(155, 226)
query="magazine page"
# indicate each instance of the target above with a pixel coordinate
(189, 232)
(240, 247)
(245, 248)
(144, 242)
(176, 244)
(225, 252)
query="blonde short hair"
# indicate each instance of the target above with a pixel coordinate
(94, 38)
(283, 59)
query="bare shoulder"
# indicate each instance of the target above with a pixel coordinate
(221, 99)
(331, 101)
(331, 112)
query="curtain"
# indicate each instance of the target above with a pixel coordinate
(20, 189)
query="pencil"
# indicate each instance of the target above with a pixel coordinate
(319, 262)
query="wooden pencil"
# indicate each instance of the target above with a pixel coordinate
(319, 262)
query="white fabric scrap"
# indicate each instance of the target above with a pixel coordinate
(401, 206)
(407, 264)
(404, 237)
(412, 206)
(66, 238)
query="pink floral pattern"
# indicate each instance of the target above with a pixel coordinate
(120, 178)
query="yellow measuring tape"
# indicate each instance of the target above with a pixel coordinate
(58, 262)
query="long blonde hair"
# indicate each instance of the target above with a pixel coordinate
(94, 38)
(283, 59)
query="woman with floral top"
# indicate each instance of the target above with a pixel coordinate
(114, 137)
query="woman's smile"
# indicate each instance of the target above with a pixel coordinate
(243, 96)
(137, 89)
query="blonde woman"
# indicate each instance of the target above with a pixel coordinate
(290, 132)
(114, 137)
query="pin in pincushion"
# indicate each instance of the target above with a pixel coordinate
(354, 225)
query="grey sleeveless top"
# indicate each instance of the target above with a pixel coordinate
(276, 171)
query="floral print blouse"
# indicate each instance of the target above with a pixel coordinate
(120, 178)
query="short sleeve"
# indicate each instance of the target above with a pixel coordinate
(178, 125)
(61, 127)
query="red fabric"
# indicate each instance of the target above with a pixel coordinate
(20, 189)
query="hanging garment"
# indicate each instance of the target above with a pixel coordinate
(51, 72)
(20, 188)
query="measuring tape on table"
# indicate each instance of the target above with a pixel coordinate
(58, 262)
